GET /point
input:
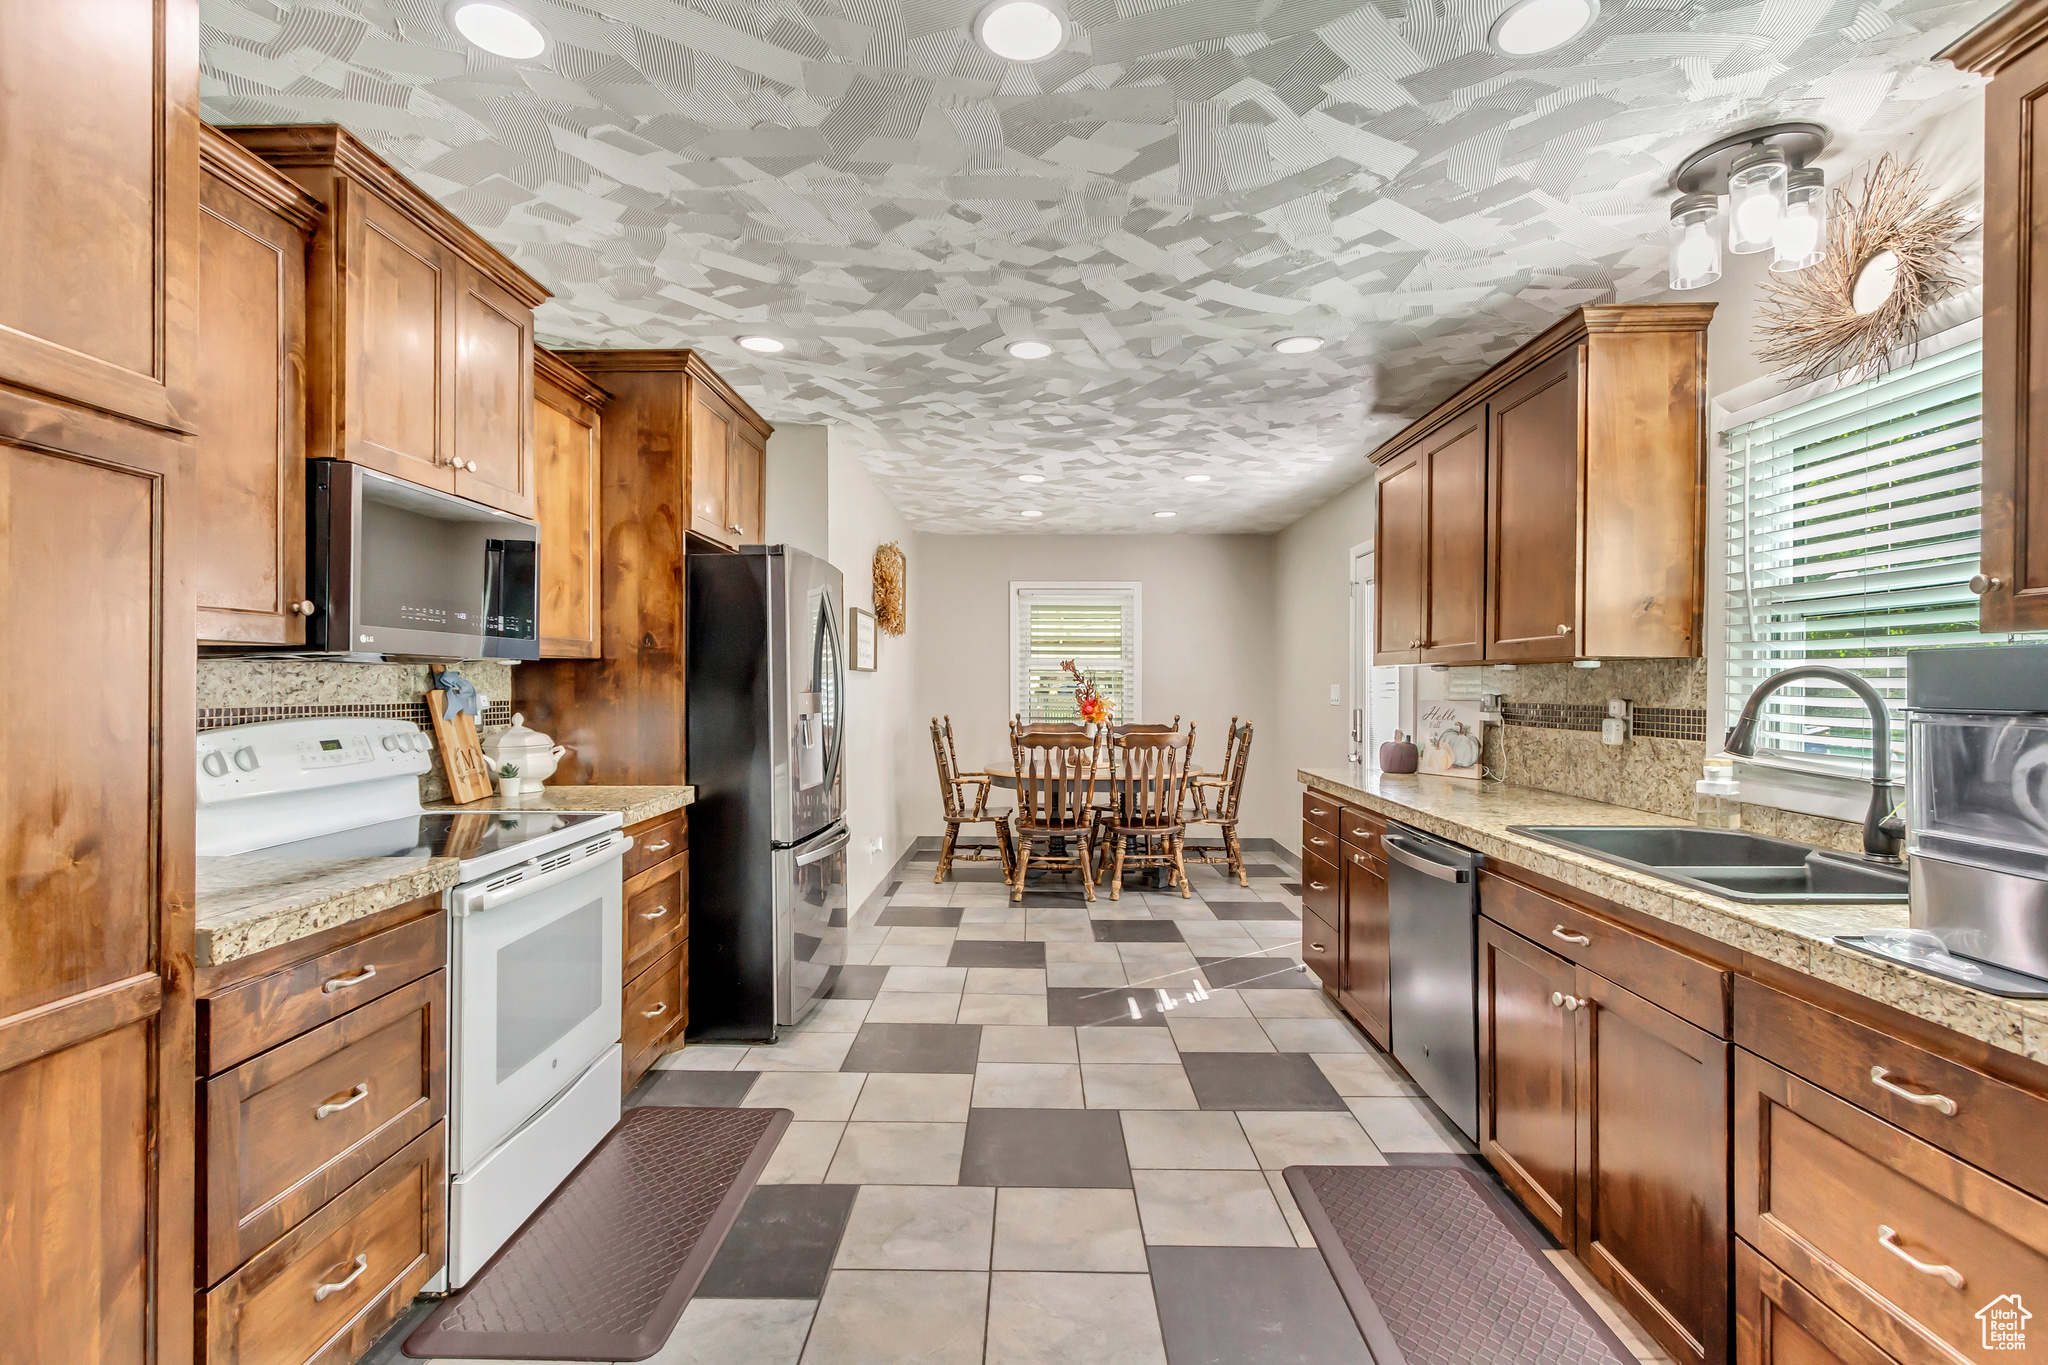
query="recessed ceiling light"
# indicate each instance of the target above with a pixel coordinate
(1194, 478)
(1028, 350)
(1298, 345)
(1031, 512)
(498, 29)
(1528, 27)
(1165, 514)
(1021, 30)
(1031, 478)
(765, 345)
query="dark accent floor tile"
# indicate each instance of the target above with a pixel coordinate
(894, 887)
(1045, 1149)
(921, 917)
(782, 1245)
(693, 1089)
(859, 983)
(1256, 971)
(1260, 1080)
(1252, 1306)
(930, 1049)
(1105, 1005)
(1291, 888)
(1265, 870)
(1136, 931)
(975, 952)
(389, 1349)
(1251, 910)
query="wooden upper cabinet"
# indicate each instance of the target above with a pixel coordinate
(419, 333)
(1533, 499)
(747, 475)
(250, 406)
(2012, 49)
(1398, 570)
(711, 449)
(1586, 512)
(99, 190)
(1454, 591)
(568, 491)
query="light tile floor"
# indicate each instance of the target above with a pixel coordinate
(1008, 1152)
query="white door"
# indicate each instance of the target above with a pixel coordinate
(1376, 692)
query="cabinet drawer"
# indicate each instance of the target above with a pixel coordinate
(1361, 830)
(1695, 991)
(291, 1129)
(1778, 1323)
(655, 914)
(1318, 842)
(1320, 811)
(656, 843)
(1321, 948)
(327, 1290)
(1957, 1109)
(1319, 887)
(1900, 1239)
(653, 1008)
(242, 1021)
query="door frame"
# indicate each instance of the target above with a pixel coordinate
(1363, 620)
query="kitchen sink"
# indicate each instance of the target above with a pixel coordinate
(1731, 863)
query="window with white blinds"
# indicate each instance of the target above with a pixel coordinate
(1852, 535)
(1094, 624)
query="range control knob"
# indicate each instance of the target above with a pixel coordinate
(420, 743)
(214, 762)
(392, 742)
(246, 760)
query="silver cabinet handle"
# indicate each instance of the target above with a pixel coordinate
(1317, 948)
(342, 983)
(1363, 833)
(1317, 886)
(654, 914)
(1561, 936)
(1983, 583)
(657, 1011)
(1889, 1240)
(1319, 842)
(355, 1097)
(1882, 1079)
(321, 1291)
(1317, 810)
(656, 848)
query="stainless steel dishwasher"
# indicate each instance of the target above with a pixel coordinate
(1432, 911)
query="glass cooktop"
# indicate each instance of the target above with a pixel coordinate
(477, 837)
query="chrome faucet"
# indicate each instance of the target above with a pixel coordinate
(1882, 833)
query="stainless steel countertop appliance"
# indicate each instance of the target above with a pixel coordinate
(1433, 950)
(768, 837)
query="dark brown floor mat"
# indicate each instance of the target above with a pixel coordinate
(1435, 1275)
(604, 1268)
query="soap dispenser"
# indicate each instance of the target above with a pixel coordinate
(1717, 800)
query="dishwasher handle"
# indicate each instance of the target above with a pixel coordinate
(1428, 867)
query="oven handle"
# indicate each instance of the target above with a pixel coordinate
(491, 900)
(819, 855)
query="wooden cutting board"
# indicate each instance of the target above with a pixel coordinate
(469, 772)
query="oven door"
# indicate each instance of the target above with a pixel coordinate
(536, 984)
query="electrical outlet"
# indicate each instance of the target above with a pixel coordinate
(1613, 731)
(1619, 708)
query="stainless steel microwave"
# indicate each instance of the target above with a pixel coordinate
(394, 568)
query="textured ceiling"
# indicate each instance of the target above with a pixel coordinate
(1187, 183)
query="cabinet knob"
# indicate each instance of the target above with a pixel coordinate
(1415, 644)
(303, 607)
(1981, 584)
(470, 466)
(1568, 1003)
(736, 529)
(1564, 630)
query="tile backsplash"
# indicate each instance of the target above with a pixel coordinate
(247, 691)
(1550, 738)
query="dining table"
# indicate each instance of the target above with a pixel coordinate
(1004, 776)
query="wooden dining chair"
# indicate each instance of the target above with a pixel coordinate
(1147, 801)
(964, 798)
(1216, 802)
(1055, 778)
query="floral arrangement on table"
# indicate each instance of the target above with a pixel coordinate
(1095, 708)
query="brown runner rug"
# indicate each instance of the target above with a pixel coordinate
(1435, 1274)
(605, 1267)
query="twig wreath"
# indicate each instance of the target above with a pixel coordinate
(1837, 314)
(889, 590)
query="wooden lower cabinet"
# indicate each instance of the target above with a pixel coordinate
(1779, 1323)
(1528, 1058)
(655, 1005)
(1367, 990)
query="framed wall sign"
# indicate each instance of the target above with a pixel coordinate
(860, 630)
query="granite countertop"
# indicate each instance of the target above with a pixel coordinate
(1477, 815)
(634, 804)
(252, 901)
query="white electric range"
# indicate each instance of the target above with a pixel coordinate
(536, 937)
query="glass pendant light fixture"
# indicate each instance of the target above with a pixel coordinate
(1801, 237)
(1695, 243)
(1756, 199)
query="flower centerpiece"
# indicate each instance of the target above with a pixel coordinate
(1095, 708)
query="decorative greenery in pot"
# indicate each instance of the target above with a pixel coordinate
(1891, 254)
(890, 602)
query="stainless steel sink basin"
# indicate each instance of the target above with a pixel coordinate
(1731, 863)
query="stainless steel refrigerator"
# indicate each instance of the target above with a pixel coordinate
(766, 663)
